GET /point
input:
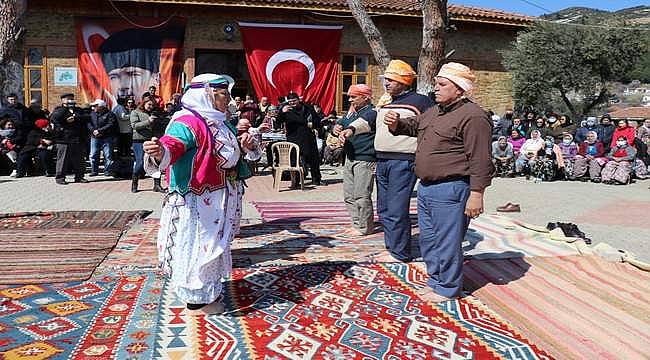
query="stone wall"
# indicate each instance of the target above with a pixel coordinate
(51, 25)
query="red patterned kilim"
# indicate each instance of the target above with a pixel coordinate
(339, 311)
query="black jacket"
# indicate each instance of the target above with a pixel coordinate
(34, 139)
(295, 122)
(105, 123)
(69, 132)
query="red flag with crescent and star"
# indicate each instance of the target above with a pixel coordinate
(284, 58)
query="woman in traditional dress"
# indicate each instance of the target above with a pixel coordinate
(202, 156)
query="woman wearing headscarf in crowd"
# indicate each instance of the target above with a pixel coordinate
(591, 156)
(202, 158)
(589, 125)
(143, 122)
(8, 145)
(563, 125)
(540, 125)
(643, 129)
(39, 144)
(640, 167)
(528, 153)
(517, 140)
(519, 126)
(569, 151)
(619, 167)
(625, 130)
(503, 157)
(549, 161)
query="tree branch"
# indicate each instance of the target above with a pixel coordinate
(370, 31)
(568, 103)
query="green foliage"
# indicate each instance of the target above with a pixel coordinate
(555, 65)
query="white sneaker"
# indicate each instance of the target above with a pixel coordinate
(14, 174)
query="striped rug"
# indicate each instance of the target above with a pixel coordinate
(65, 246)
(572, 306)
(489, 236)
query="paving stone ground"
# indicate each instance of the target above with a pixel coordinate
(618, 215)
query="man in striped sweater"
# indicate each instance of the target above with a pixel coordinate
(396, 163)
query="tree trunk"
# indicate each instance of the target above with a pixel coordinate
(370, 31)
(11, 31)
(434, 23)
(600, 99)
(569, 104)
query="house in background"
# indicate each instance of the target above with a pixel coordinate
(212, 42)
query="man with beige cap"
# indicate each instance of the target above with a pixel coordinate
(454, 165)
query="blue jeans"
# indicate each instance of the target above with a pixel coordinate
(138, 159)
(443, 224)
(395, 182)
(105, 145)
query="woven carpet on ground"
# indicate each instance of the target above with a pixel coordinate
(573, 307)
(135, 250)
(336, 311)
(48, 247)
(489, 236)
(317, 311)
(108, 317)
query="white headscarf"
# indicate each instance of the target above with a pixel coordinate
(199, 97)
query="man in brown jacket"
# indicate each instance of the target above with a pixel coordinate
(454, 165)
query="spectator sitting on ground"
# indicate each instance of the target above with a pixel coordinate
(528, 153)
(503, 157)
(590, 157)
(563, 125)
(516, 139)
(569, 150)
(619, 167)
(549, 161)
(581, 132)
(643, 152)
(39, 144)
(8, 146)
(333, 152)
(624, 130)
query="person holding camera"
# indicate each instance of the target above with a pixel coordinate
(299, 121)
(70, 132)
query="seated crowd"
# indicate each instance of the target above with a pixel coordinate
(548, 148)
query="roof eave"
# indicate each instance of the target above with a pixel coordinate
(372, 11)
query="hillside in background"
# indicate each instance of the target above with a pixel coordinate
(634, 16)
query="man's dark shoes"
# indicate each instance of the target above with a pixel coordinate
(61, 181)
(509, 207)
(93, 174)
(81, 181)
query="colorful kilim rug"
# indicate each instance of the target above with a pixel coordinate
(135, 250)
(336, 311)
(63, 246)
(575, 307)
(317, 311)
(110, 317)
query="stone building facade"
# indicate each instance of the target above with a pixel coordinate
(477, 37)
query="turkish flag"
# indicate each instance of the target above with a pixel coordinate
(285, 58)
